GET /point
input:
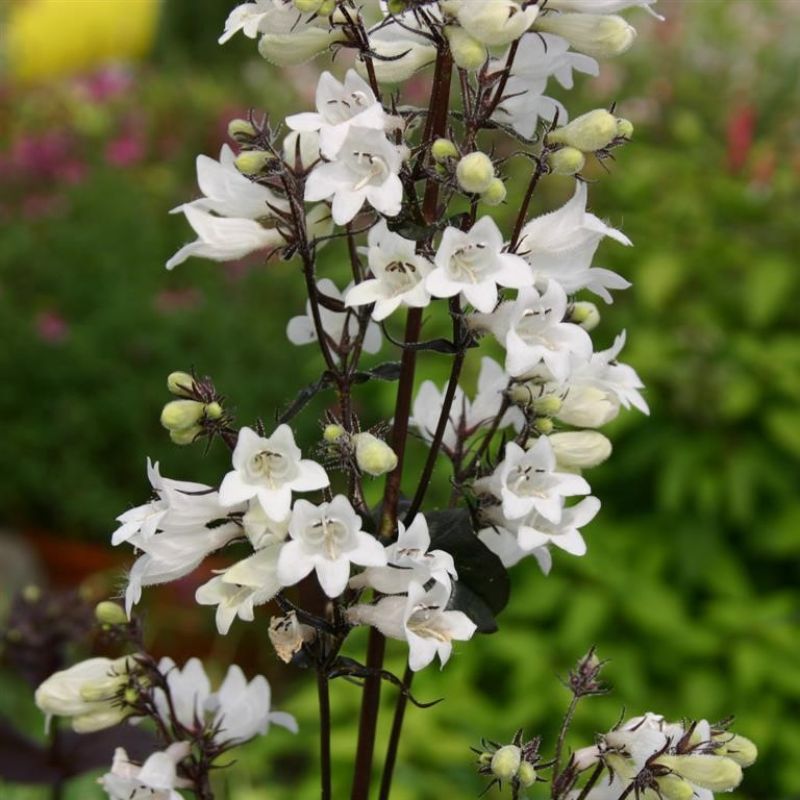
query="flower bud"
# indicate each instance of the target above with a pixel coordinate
(333, 433)
(109, 613)
(543, 425)
(495, 194)
(397, 60)
(251, 162)
(624, 128)
(496, 23)
(186, 436)
(566, 161)
(468, 53)
(308, 6)
(180, 384)
(396, 6)
(475, 172)
(739, 748)
(442, 149)
(526, 775)
(580, 449)
(673, 787)
(715, 773)
(585, 314)
(299, 46)
(597, 35)
(373, 455)
(213, 410)
(585, 757)
(588, 407)
(588, 132)
(506, 762)
(241, 130)
(178, 415)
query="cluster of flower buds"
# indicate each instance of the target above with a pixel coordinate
(512, 764)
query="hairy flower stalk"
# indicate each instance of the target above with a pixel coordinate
(410, 201)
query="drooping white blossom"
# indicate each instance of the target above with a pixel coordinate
(270, 469)
(301, 329)
(505, 545)
(340, 106)
(156, 779)
(327, 539)
(261, 529)
(473, 264)
(365, 170)
(399, 274)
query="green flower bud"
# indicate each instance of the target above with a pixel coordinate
(251, 162)
(178, 415)
(624, 128)
(373, 455)
(180, 384)
(484, 759)
(495, 194)
(475, 172)
(585, 314)
(673, 787)
(185, 436)
(468, 53)
(241, 130)
(566, 161)
(110, 613)
(333, 433)
(506, 762)
(588, 132)
(544, 425)
(213, 410)
(397, 6)
(547, 405)
(596, 35)
(739, 748)
(442, 149)
(715, 773)
(526, 775)
(308, 6)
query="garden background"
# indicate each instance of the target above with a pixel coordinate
(690, 583)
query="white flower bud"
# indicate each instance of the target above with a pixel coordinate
(308, 6)
(566, 161)
(442, 149)
(526, 775)
(585, 314)
(495, 194)
(588, 407)
(673, 787)
(373, 455)
(333, 433)
(186, 436)
(251, 162)
(468, 53)
(496, 23)
(100, 720)
(399, 59)
(506, 762)
(303, 44)
(596, 35)
(475, 172)
(585, 758)
(180, 383)
(179, 415)
(715, 773)
(739, 748)
(589, 132)
(580, 449)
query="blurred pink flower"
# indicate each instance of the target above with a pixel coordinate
(106, 84)
(51, 327)
(126, 150)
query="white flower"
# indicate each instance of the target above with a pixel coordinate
(534, 530)
(532, 330)
(270, 469)
(340, 106)
(409, 559)
(365, 170)
(399, 274)
(247, 18)
(421, 620)
(304, 144)
(88, 693)
(250, 582)
(261, 529)
(156, 779)
(189, 690)
(327, 538)
(472, 264)
(539, 56)
(399, 49)
(229, 193)
(224, 238)
(301, 329)
(505, 545)
(561, 245)
(527, 481)
(580, 449)
(497, 22)
(178, 504)
(242, 710)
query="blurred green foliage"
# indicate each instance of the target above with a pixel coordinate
(689, 586)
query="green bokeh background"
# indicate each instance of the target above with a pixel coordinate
(690, 583)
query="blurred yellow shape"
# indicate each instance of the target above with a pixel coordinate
(47, 39)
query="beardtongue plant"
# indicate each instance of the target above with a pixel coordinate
(404, 194)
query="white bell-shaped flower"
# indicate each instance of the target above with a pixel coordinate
(156, 779)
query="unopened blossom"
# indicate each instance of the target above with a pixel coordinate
(327, 539)
(533, 331)
(365, 170)
(597, 35)
(421, 619)
(527, 480)
(399, 274)
(270, 469)
(400, 51)
(409, 559)
(261, 529)
(560, 246)
(336, 324)
(340, 106)
(177, 505)
(155, 779)
(250, 582)
(495, 23)
(580, 449)
(473, 264)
